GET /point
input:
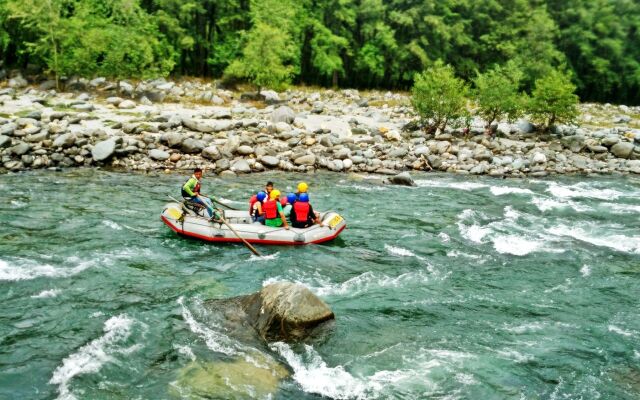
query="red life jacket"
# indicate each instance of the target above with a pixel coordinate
(283, 201)
(197, 188)
(270, 209)
(302, 211)
(253, 200)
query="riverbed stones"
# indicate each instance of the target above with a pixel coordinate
(283, 114)
(308, 159)
(5, 141)
(103, 150)
(270, 161)
(244, 150)
(241, 166)
(211, 153)
(127, 105)
(158, 155)
(65, 140)
(285, 311)
(191, 146)
(20, 148)
(403, 178)
(622, 149)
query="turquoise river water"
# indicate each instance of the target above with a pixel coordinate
(459, 288)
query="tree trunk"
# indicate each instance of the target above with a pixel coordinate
(335, 79)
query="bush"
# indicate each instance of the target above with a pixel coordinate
(553, 100)
(439, 97)
(497, 96)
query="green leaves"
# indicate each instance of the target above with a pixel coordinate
(497, 94)
(553, 100)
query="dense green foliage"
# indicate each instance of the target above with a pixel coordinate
(497, 94)
(439, 97)
(350, 43)
(553, 101)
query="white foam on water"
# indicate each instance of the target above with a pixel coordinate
(372, 188)
(516, 245)
(546, 204)
(215, 340)
(268, 257)
(622, 243)
(456, 253)
(22, 270)
(502, 190)
(444, 237)
(18, 203)
(523, 328)
(398, 251)
(111, 225)
(582, 189)
(619, 331)
(585, 270)
(313, 375)
(466, 379)
(515, 355)
(185, 351)
(91, 357)
(473, 232)
(449, 185)
(621, 208)
(47, 294)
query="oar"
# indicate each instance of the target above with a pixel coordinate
(224, 205)
(253, 249)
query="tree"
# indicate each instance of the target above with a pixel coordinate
(439, 97)
(265, 59)
(553, 100)
(497, 94)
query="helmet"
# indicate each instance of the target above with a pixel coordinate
(275, 193)
(261, 196)
(302, 187)
(304, 198)
(291, 198)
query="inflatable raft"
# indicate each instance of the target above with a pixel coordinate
(189, 221)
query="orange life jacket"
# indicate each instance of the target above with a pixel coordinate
(302, 211)
(270, 208)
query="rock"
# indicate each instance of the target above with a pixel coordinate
(127, 104)
(241, 166)
(622, 149)
(403, 178)
(227, 174)
(283, 114)
(539, 158)
(270, 96)
(47, 85)
(158, 155)
(525, 126)
(285, 311)
(483, 155)
(348, 163)
(175, 157)
(610, 140)
(5, 141)
(597, 149)
(211, 153)
(103, 150)
(318, 107)
(20, 148)
(17, 82)
(192, 146)
(114, 100)
(270, 161)
(199, 125)
(282, 127)
(65, 140)
(308, 159)
(575, 143)
(398, 152)
(245, 150)
(8, 129)
(336, 165)
(37, 137)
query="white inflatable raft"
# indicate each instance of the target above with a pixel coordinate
(188, 221)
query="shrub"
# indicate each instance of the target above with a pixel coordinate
(497, 96)
(553, 100)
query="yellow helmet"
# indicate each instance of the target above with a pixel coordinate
(275, 193)
(302, 187)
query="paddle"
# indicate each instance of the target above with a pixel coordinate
(224, 205)
(249, 246)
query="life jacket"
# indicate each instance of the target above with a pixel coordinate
(283, 201)
(196, 189)
(253, 200)
(302, 211)
(270, 209)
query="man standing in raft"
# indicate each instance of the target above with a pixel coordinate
(191, 192)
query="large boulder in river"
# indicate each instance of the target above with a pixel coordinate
(402, 178)
(285, 310)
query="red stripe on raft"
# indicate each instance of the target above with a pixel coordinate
(237, 240)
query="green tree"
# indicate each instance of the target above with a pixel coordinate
(553, 100)
(439, 97)
(497, 94)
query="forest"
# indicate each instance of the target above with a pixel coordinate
(340, 43)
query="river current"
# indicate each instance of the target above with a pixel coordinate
(459, 288)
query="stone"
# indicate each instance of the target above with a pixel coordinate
(597, 149)
(575, 143)
(127, 104)
(192, 146)
(285, 311)
(115, 101)
(610, 140)
(47, 85)
(483, 155)
(539, 158)
(158, 155)
(17, 82)
(245, 150)
(622, 149)
(20, 148)
(241, 166)
(270, 161)
(270, 96)
(227, 174)
(282, 127)
(398, 152)
(283, 114)
(525, 126)
(199, 125)
(37, 137)
(65, 140)
(8, 129)
(211, 153)
(5, 141)
(308, 159)
(348, 163)
(103, 150)
(336, 165)
(175, 157)
(172, 139)
(403, 178)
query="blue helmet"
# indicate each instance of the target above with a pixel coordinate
(304, 197)
(291, 198)
(261, 196)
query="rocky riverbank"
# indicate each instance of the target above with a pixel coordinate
(164, 125)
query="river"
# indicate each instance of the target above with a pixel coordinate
(459, 288)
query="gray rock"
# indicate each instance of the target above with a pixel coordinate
(575, 143)
(172, 139)
(483, 155)
(282, 127)
(5, 141)
(103, 150)
(17, 82)
(47, 85)
(83, 107)
(211, 153)
(403, 178)
(192, 146)
(222, 164)
(336, 165)
(227, 174)
(270, 96)
(115, 101)
(270, 161)
(308, 159)
(285, 311)
(65, 140)
(127, 104)
(245, 150)
(158, 155)
(610, 140)
(421, 151)
(241, 166)
(283, 114)
(318, 107)
(597, 149)
(398, 152)
(20, 149)
(37, 137)
(478, 169)
(8, 129)
(622, 149)
(525, 126)
(199, 125)
(539, 158)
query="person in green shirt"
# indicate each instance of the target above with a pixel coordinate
(274, 216)
(191, 192)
